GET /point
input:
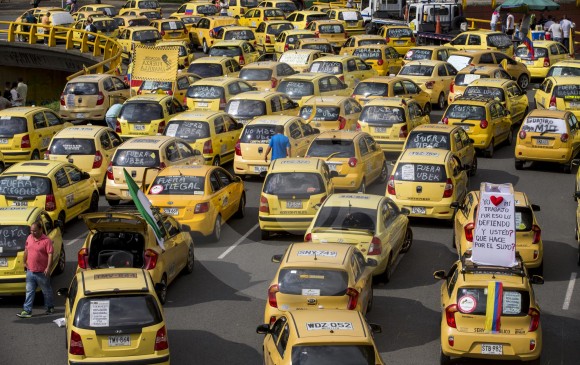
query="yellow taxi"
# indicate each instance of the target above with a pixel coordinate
(301, 19)
(372, 223)
(133, 5)
(359, 40)
(487, 122)
(60, 188)
(465, 310)
(287, 6)
(380, 87)
(351, 18)
(528, 232)
(320, 44)
(88, 97)
(446, 137)
(355, 156)
(288, 39)
(177, 88)
(15, 228)
(483, 39)
(129, 37)
(241, 51)
(471, 73)
(511, 96)
(197, 8)
(546, 53)
(90, 148)
(204, 30)
(214, 92)
(253, 17)
(189, 21)
(267, 74)
(301, 59)
(202, 198)
(329, 335)
(426, 181)
(331, 30)
(146, 115)
(253, 143)
(349, 69)
(560, 92)
(150, 14)
(382, 58)
(249, 105)
(83, 15)
(549, 136)
(237, 8)
(565, 68)
(105, 27)
(214, 67)
(125, 21)
(293, 190)
(171, 29)
(313, 276)
(235, 33)
(331, 112)
(435, 53)
(125, 298)
(267, 32)
(143, 158)
(108, 10)
(214, 133)
(184, 53)
(398, 36)
(434, 77)
(301, 87)
(26, 132)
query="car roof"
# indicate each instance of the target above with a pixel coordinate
(305, 319)
(564, 80)
(172, 43)
(19, 215)
(370, 201)
(326, 21)
(186, 170)
(340, 134)
(425, 63)
(385, 79)
(148, 97)
(198, 115)
(336, 58)
(264, 64)
(480, 69)
(326, 100)
(237, 42)
(388, 101)
(211, 59)
(548, 113)
(292, 164)
(316, 254)
(38, 167)
(490, 82)
(145, 143)
(22, 111)
(297, 31)
(84, 131)
(256, 95)
(432, 47)
(445, 128)
(141, 27)
(367, 36)
(114, 281)
(423, 155)
(306, 76)
(272, 119)
(217, 81)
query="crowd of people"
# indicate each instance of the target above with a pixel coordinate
(14, 94)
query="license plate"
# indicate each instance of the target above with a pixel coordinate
(491, 349)
(352, 24)
(381, 129)
(19, 203)
(3, 262)
(202, 105)
(332, 167)
(529, 62)
(542, 141)
(115, 341)
(171, 211)
(294, 204)
(400, 42)
(139, 127)
(260, 168)
(81, 115)
(3, 140)
(575, 104)
(125, 193)
(418, 210)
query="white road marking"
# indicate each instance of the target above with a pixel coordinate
(569, 292)
(75, 240)
(237, 242)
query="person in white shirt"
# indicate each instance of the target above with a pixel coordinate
(549, 23)
(566, 25)
(16, 99)
(510, 25)
(556, 31)
(22, 90)
(494, 19)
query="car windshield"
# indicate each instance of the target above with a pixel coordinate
(296, 89)
(368, 53)
(331, 29)
(524, 53)
(399, 33)
(383, 115)
(294, 183)
(206, 69)
(418, 54)
(420, 172)
(172, 25)
(136, 158)
(563, 71)
(513, 302)
(323, 113)
(544, 125)
(329, 67)
(371, 89)
(230, 51)
(246, 108)
(333, 354)
(257, 133)
(139, 22)
(205, 92)
(272, 13)
(119, 311)
(322, 47)
(499, 40)
(485, 91)
(190, 131)
(156, 85)
(208, 9)
(146, 36)
(81, 88)
(295, 281)
(109, 10)
(276, 29)
(246, 35)
(256, 74)
(10, 126)
(336, 147)
(72, 146)
(466, 79)
(141, 112)
(24, 186)
(177, 185)
(568, 92)
(345, 217)
(428, 140)
(148, 5)
(459, 62)
(417, 70)
(465, 112)
(13, 239)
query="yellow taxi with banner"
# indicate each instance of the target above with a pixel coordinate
(214, 92)
(249, 105)
(436, 53)
(434, 77)
(214, 133)
(266, 33)
(184, 53)
(288, 39)
(202, 198)
(359, 40)
(372, 223)
(483, 39)
(561, 93)
(398, 36)
(104, 26)
(60, 188)
(267, 74)
(26, 132)
(241, 51)
(253, 17)
(301, 87)
(15, 229)
(331, 30)
(301, 19)
(171, 29)
(471, 73)
(381, 87)
(313, 276)
(293, 190)
(204, 30)
(351, 18)
(426, 181)
(546, 53)
(349, 69)
(331, 112)
(301, 59)
(215, 67)
(382, 58)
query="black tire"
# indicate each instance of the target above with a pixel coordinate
(241, 212)
(386, 276)
(473, 169)
(441, 101)
(524, 81)
(568, 167)
(444, 359)
(537, 361)
(265, 235)
(510, 138)
(59, 269)
(35, 155)
(205, 47)
(216, 161)
(453, 240)
(62, 218)
(162, 294)
(384, 173)
(217, 229)
(538, 270)
(407, 241)
(578, 254)
(519, 164)
(113, 202)
(427, 109)
(371, 300)
(362, 188)
(94, 206)
(188, 269)
(2, 166)
(488, 152)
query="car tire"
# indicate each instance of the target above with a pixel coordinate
(216, 161)
(524, 81)
(205, 48)
(35, 155)
(538, 270)
(407, 241)
(2, 166)
(188, 269)
(362, 187)
(444, 359)
(62, 218)
(59, 269)
(537, 361)
(441, 101)
(519, 164)
(113, 202)
(264, 235)
(384, 173)
(386, 275)
(453, 244)
(217, 229)
(162, 295)
(241, 212)
(473, 169)
(94, 205)
(488, 152)
(568, 167)
(371, 300)
(510, 138)
(427, 109)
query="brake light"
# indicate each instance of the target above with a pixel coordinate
(100, 98)
(265, 18)
(345, 34)
(212, 33)
(208, 147)
(162, 32)
(238, 148)
(268, 39)
(413, 40)
(264, 207)
(274, 82)
(169, 92)
(242, 60)
(341, 122)
(535, 319)
(483, 124)
(201, 208)
(285, 47)
(222, 103)
(272, 290)
(564, 137)
(537, 233)
(403, 131)
(150, 259)
(161, 339)
(62, 99)
(307, 25)
(448, 189)
(83, 258)
(429, 84)
(317, 34)
(308, 237)
(76, 344)
(186, 62)
(553, 102)
(185, 31)
(522, 134)
(391, 186)
(110, 175)
(376, 247)
(445, 120)
(452, 87)
(139, 92)
(352, 162)
(546, 62)
(450, 315)
(118, 127)
(532, 345)
(353, 300)
(451, 340)
(50, 203)
(98, 161)
(358, 127)
(46, 154)
(380, 62)
(341, 78)
(25, 141)
(387, 39)
(161, 127)
(468, 230)
(162, 165)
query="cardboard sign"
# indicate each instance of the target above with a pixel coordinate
(494, 242)
(99, 313)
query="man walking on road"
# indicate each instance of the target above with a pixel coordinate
(279, 145)
(38, 252)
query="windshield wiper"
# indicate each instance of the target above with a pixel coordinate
(468, 117)
(548, 131)
(332, 155)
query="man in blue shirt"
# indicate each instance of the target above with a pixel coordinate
(279, 145)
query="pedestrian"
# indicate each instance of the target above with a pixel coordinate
(45, 26)
(6, 92)
(566, 25)
(16, 98)
(494, 19)
(38, 251)
(510, 25)
(349, 4)
(112, 114)
(68, 6)
(224, 8)
(91, 28)
(74, 7)
(556, 31)
(4, 103)
(34, 3)
(548, 23)
(22, 89)
(542, 19)
(279, 145)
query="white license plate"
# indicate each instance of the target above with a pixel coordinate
(81, 115)
(575, 104)
(3, 140)
(352, 24)
(418, 210)
(332, 167)
(400, 42)
(491, 349)
(139, 127)
(542, 141)
(18, 203)
(171, 211)
(125, 193)
(202, 105)
(260, 168)
(115, 341)
(529, 62)
(380, 129)
(294, 204)
(3, 262)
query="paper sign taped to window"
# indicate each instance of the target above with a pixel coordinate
(512, 302)
(99, 313)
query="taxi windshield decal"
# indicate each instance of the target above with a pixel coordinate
(317, 253)
(292, 162)
(424, 153)
(145, 140)
(318, 326)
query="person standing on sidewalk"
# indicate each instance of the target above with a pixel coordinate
(38, 253)
(279, 145)
(22, 90)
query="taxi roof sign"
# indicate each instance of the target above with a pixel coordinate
(316, 253)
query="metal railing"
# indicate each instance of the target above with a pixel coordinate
(101, 45)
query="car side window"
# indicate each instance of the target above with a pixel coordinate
(276, 104)
(261, 28)
(72, 293)
(356, 269)
(467, 203)
(441, 70)
(361, 65)
(360, 260)
(324, 85)
(285, 70)
(349, 42)
(105, 141)
(283, 340)
(172, 153)
(108, 84)
(231, 124)
(39, 121)
(184, 149)
(494, 111)
(334, 83)
(295, 131)
(386, 213)
(398, 89)
(52, 119)
(561, 49)
(573, 122)
(459, 40)
(451, 70)
(287, 103)
(451, 279)
(414, 110)
(486, 58)
(171, 226)
(224, 178)
(464, 137)
(61, 178)
(474, 40)
(411, 87)
(553, 49)
(234, 88)
(356, 108)
(277, 328)
(182, 83)
(457, 139)
(307, 129)
(214, 182)
(119, 85)
(351, 65)
(362, 146)
(219, 125)
(442, 55)
(235, 66)
(115, 139)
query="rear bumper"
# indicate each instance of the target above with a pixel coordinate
(13, 285)
(249, 167)
(285, 223)
(140, 360)
(349, 182)
(557, 155)
(438, 210)
(83, 113)
(390, 145)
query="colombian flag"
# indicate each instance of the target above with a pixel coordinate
(188, 11)
(530, 45)
(494, 306)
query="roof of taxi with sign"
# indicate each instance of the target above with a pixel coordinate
(370, 201)
(34, 167)
(114, 280)
(426, 155)
(315, 254)
(146, 142)
(18, 215)
(81, 131)
(332, 325)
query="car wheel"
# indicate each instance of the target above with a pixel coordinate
(113, 202)
(362, 187)
(384, 173)
(94, 206)
(2, 166)
(488, 152)
(524, 81)
(59, 269)
(538, 270)
(35, 155)
(453, 240)
(510, 137)
(265, 235)
(162, 294)
(473, 169)
(205, 47)
(190, 261)
(216, 161)
(386, 276)
(371, 299)
(62, 218)
(537, 361)
(568, 167)
(407, 241)
(519, 164)
(241, 212)
(441, 101)
(217, 229)
(427, 109)
(444, 359)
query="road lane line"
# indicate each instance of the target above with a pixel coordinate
(568, 297)
(238, 242)
(75, 240)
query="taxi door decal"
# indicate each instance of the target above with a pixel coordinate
(70, 200)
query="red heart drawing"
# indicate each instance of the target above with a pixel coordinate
(496, 200)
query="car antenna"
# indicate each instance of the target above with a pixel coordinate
(315, 258)
(180, 173)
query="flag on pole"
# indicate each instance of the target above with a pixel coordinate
(529, 45)
(144, 207)
(494, 307)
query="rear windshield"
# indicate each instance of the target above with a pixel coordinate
(331, 29)
(257, 133)
(81, 88)
(523, 52)
(246, 108)
(9, 126)
(294, 38)
(544, 125)
(187, 130)
(563, 71)
(322, 47)
(270, 13)
(335, 147)
(568, 92)
(249, 3)
(172, 25)
(296, 88)
(399, 33)
(256, 74)
(474, 301)
(276, 29)
(24, 186)
(141, 112)
(12, 239)
(105, 25)
(110, 11)
(420, 172)
(418, 54)
(384, 115)
(313, 17)
(292, 58)
(286, 7)
(138, 22)
(333, 354)
(459, 62)
(416, 70)
(117, 311)
(148, 5)
(485, 91)
(146, 36)
(324, 113)
(72, 146)
(293, 183)
(136, 158)
(499, 40)
(156, 85)
(347, 218)
(206, 69)
(205, 92)
(246, 35)
(207, 9)
(177, 185)
(524, 219)
(464, 112)
(367, 42)
(466, 79)
(371, 89)
(297, 281)
(368, 53)
(428, 140)
(230, 51)
(329, 67)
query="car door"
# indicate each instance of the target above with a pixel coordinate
(396, 224)
(415, 115)
(574, 132)
(231, 137)
(469, 150)
(121, 92)
(220, 142)
(351, 74)
(447, 289)
(519, 101)
(176, 248)
(41, 134)
(459, 177)
(366, 160)
(362, 275)
(181, 87)
(272, 354)
(462, 218)
(218, 196)
(65, 194)
(229, 200)
(458, 148)
(288, 106)
(543, 94)
(297, 140)
(82, 189)
(377, 157)
(55, 124)
(501, 122)
(260, 33)
(54, 233)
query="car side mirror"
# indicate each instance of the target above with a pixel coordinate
(85, 175)
(196, 153)
(344, 86)
(277, 258)
(263, 174)
(440, 275)
(405, 211)
(333, 174)
(315, 131)
(471, 141)
(117, 143)
(537, 279)
(239, 125)
(62, 292)
(58, 223)
(535, 207)
(376, 328)
(237, 179)
(576, 162)
(263, 329)
(372, 262)
(456, 205)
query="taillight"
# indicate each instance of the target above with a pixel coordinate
(242, 60)
(62, 99)
(201, 208)
(341, 122)
(341, 78)
(308, 237)
(532, 345)
(450, 315)
(468, 230)
(222, 103)
(537, 234)
(50, 203)
(391, 186)
(25, 141)
(162, 32)
(387, 39)
(285, 47)
(413, 40)
(268, 39)
(445, 120)
(353, 298)
(451, 340)
(564, 137)
(352, 162)
(46, 154)
(546, 62)
(100, 98)
(76, 344)
(208, 147)
(317, 34)
(307, 25)
(535, 319)
(238, 148)
(403, 131)
(98, 161)
(522, 134)
(185, 31)
(186, 62)
(83, 258)
(212, 33)
(483, 124)
(139, 92)
(265, 18)
(358, 127)
(376, 247)
(161, 127)
(429, 84)
(264, 207)
(274, 82)
(380, 62)
(161, 339)
(272, 290)
(150, 259)
(169, 92)
(345, 34)
(162, 165)
(452, 87)
(118, 127)
(553, 101)
(448, 189)
(110, 175)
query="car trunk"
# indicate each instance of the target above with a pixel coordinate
(116, 249)
(294, 193)
(24, 190)
(12, 130)
(82, 95)
(12, 242)
(385, 122)
(178, 195)
(420, 181)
